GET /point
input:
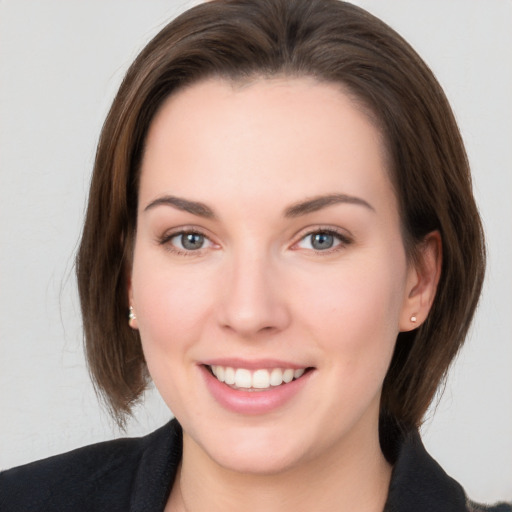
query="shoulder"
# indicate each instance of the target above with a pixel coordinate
(74, 479)
(97, 477)
(418, 483)
(479, 507)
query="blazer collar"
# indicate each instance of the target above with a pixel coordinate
(419, 483)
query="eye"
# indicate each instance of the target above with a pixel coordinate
(322, 240)
(187, 241)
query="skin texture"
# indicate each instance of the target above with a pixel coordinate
(257, 289)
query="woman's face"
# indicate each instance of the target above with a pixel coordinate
(268, 247)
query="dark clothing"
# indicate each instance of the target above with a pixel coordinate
(136, 475)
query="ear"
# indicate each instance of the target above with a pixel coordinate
(422, 280)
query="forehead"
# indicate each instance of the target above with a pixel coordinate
(285, 138)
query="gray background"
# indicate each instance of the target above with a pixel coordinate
(61, 62)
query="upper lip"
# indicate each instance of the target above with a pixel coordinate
(253, 364)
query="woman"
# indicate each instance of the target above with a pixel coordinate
(281, 234)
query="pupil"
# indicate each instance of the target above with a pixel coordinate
(322, 241)
(192, 241)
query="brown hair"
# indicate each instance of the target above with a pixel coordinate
(332, 41)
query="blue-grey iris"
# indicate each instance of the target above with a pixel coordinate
(192, 241)
(322, 241)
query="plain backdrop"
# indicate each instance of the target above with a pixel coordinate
(61, 62)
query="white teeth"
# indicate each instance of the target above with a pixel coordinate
(229, 376)
(276, 377)
(288, 375)
(220, 373)
(258, 379)
(243, 378)
(261, 379)
(298, 373)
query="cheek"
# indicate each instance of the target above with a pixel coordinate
(172, 312)
(171, 305)
(356, 314)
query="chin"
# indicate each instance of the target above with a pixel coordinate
(256, 461)
(255, 450)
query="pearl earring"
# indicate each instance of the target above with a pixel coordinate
(131, 316)
(413, 319)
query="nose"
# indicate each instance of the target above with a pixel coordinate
(253, 301)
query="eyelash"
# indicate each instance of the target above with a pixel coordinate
(341, 237)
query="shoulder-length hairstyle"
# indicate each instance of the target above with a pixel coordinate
(330, 41)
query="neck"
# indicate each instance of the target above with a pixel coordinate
(354, 477)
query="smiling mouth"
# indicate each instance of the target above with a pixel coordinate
(255, 380)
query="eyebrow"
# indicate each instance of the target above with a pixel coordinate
(319, 202)
(295, 210)
(193, 207)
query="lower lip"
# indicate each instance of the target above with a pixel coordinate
(253, 402)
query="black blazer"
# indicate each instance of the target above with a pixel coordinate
(136, 475)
